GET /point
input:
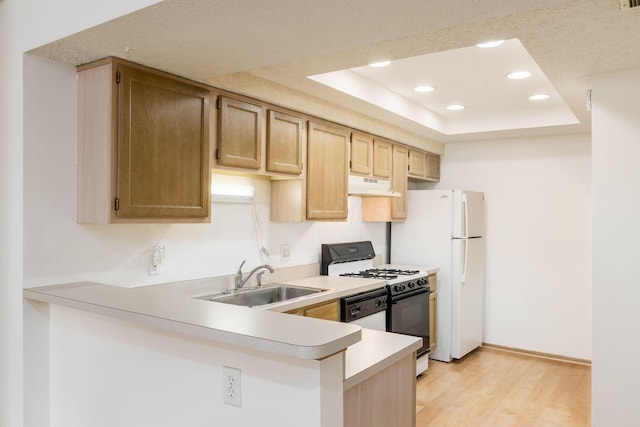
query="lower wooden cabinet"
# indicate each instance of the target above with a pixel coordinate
(433, 313)
(325, 310)
(386, 399)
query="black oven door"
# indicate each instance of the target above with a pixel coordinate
(409, 314)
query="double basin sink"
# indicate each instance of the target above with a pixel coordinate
(269, 294)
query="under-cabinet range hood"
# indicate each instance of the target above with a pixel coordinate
(370, 187)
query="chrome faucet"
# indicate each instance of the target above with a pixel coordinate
(241, 279)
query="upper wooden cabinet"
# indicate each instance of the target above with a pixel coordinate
(243, 143)
(433, 167)
(385, 209)
(370, 157)
(424, 165)
(143, 145)
(417, 163)
(327, 153)
(399, 183)
(361, 154)
(284, 143)
(382, 158)
(239, 142)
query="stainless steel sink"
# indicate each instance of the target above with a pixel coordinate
(262, 296)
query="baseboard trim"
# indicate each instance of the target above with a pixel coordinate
(537, 354)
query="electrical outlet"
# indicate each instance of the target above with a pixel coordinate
(231, 386)
(158, 255)
(285, 252)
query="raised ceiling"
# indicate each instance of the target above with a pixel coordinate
(473, 78)
(286, 41)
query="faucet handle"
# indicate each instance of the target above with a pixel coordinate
(259, 278)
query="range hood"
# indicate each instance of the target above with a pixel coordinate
(370, 187)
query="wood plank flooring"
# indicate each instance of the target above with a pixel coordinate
(493, 388)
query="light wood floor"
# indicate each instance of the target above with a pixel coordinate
(494, 388)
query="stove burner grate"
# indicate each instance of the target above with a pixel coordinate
(371, 274)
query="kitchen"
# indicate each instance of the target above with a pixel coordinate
(58, 251)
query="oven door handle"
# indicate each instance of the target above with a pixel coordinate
(397, 298)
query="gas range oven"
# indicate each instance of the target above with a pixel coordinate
(406, 307)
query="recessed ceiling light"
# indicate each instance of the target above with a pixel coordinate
(539, 97)
(424, 89)
(379, 64)
(517, 75)
(493, 43)
(455, 107)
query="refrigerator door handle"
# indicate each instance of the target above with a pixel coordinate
(465, 213)
(465, 257)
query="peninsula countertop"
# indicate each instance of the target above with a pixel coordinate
(175, 307)
(263, 330)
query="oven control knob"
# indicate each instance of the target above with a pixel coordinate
(411, 285)
(422, 282)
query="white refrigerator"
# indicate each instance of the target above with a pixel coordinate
(445, 229)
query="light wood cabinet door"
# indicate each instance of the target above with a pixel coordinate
(433, 167)
(284, 143)
(433, 321)
(382, 158)
(370, 157)
(399, 182)
(143, 145)
(239, 141)
(327, 172)
(325, 310)
(361, 154)
(164, 145)
(433, 312)
(386, 209)
(386, 399)
(417, 163)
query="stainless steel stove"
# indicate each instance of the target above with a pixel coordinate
(407, 291)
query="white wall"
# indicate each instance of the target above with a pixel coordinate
(538, 238)
(107, 373)
(616, 209)
(23, 26)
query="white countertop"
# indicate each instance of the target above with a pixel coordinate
(176, 309)
(376, 351)
(263, 330)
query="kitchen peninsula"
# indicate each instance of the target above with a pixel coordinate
(161, 351)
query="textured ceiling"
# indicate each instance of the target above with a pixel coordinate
(287, 40)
